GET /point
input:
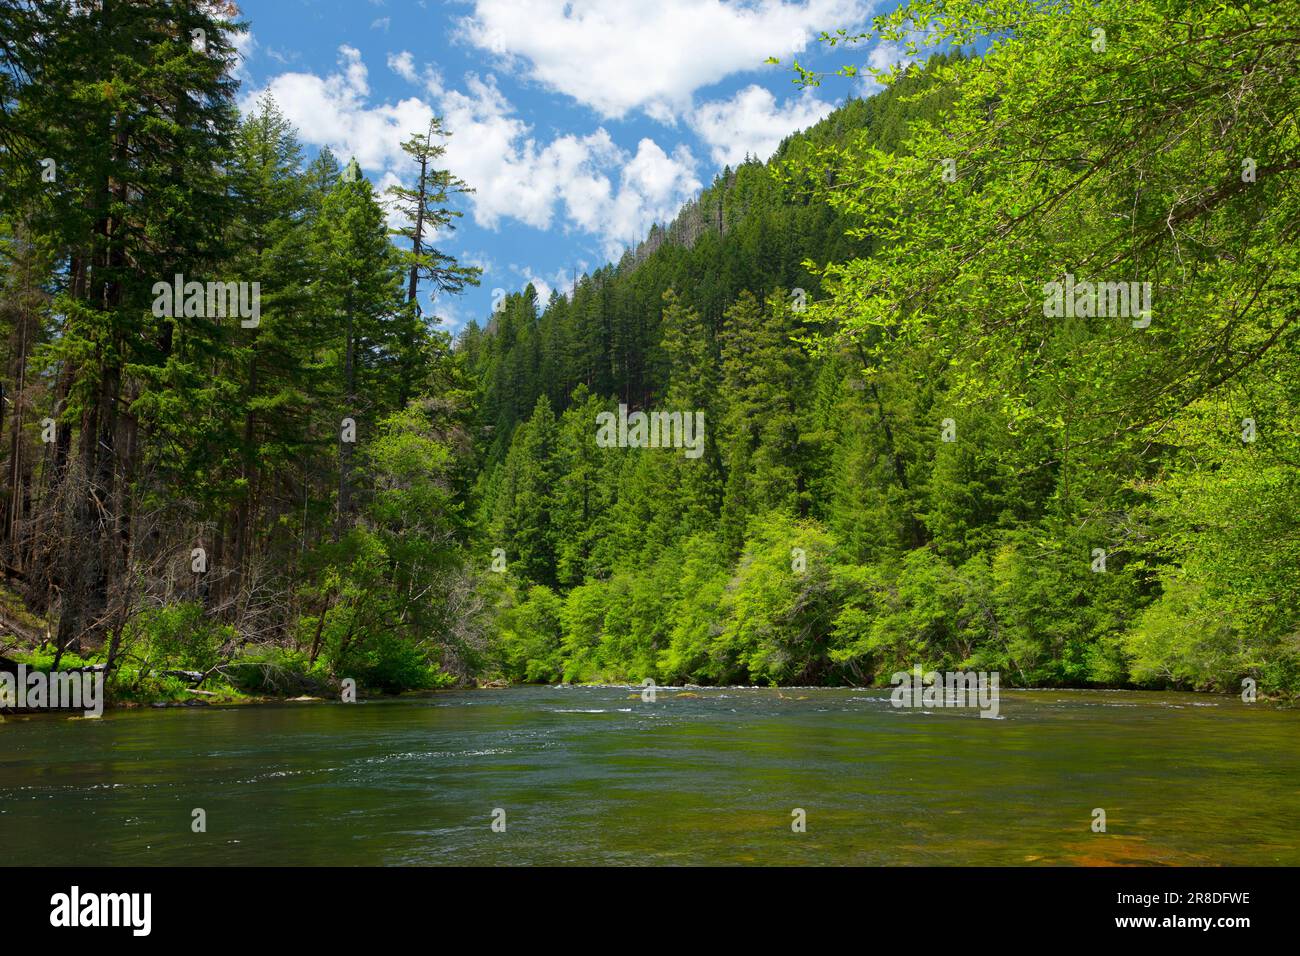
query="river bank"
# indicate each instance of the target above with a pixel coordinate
(173, 687)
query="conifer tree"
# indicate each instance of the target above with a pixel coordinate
(424, 207)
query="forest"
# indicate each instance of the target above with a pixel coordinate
(909, 456)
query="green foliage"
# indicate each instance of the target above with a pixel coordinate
(778, 607)
(952, 456)
(383, 661)
(692, 624)
(210, 433)
(531, 632)
(179, 635)
(921, 467)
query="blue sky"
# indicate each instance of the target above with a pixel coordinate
(578, 123)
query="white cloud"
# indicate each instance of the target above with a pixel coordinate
(284, 59)
(648, 54)
(599, 187)
(382, 23)
(403, 64)
(751, 123)
(480, 260)
(245, 45)
(561, 280)
(453, 314)
(586, 181)
(540, 285)
(395, 219)
(333, 111)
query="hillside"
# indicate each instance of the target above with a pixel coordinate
(977, 373)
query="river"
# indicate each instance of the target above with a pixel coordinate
(596, 775)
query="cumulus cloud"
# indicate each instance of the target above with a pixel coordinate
(580, 182)
(752, 123)
(647, 54)
(588, 180)
(333, 111)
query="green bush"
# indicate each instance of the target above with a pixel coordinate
(177, 636)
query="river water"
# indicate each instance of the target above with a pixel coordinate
(596, 775)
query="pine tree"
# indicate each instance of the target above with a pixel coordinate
(424, 207)
(137, 116)
(522, 517)
(359, 294)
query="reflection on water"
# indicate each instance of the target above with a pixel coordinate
(595, 775)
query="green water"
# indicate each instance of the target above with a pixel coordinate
(594, 775)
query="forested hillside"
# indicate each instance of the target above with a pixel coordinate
(912, 453)
(925, 466)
